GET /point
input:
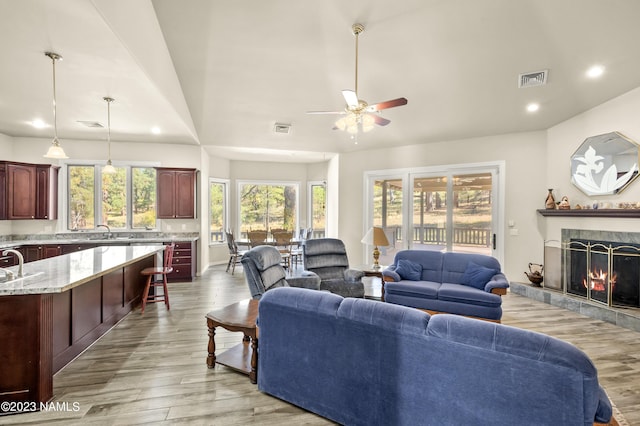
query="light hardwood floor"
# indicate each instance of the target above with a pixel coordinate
(152, 369)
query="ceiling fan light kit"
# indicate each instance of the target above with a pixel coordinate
(358, 115)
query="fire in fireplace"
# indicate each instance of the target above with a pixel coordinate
(604, 271)
(597, 281)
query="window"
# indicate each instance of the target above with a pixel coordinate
(122, 200)
(318, 208)
(267, 206)
(217, 210)
(448, 208)
(143, 180)
(81, 197)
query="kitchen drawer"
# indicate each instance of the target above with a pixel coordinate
(183, 261)
(8, 260)
(181, 272)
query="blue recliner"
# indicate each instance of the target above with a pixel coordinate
(263, 271)
(327, 257)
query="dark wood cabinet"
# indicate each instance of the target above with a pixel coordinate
(3, 191)
(51, 250)
(175, 193)
(184, 261)
(28, 191)
(46, 192)
(21, 191)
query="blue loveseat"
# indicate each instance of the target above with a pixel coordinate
(362, 362)
(456, 283)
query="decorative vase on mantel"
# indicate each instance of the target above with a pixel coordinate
(550, 202)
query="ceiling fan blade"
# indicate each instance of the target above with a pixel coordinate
(380, 121)
(350, 97)
(387, 104)
(325, 112)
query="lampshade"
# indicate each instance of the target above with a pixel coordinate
(55, 150)
(375, 236)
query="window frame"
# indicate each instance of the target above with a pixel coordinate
(407, 175)
(64, 194)
(240, 183)
(225, 209)
(310, 186)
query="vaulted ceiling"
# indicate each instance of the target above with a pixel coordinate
(221, 73)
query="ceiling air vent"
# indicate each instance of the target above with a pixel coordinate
(94, 124)
(532, 79)
(282, 128)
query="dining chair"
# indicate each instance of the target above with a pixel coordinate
(282, 241)
(151, 273)
(235, 255)
(257, 238)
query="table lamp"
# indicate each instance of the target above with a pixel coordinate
(375, 237)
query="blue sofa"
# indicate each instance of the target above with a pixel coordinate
(456, 283)
(362, 362)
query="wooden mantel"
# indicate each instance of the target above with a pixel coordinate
(618, 213)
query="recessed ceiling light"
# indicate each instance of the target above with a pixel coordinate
(533, 107)
(595, 71)
(38, 124)
(156, 130)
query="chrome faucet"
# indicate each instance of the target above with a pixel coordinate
(108, 230)
(20, 260)
(8, 273)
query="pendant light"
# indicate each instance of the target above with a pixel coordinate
(55, 150)
(109, 167)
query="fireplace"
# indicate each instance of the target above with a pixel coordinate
(606, 272)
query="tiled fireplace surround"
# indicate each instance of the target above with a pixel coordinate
(551, 292)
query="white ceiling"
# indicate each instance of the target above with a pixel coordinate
(221, 73)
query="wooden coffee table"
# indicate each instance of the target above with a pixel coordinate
(240, 316)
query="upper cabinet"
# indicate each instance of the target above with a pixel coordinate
(28, 191)
(175, 193)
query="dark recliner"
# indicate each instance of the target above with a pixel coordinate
(263, 271)
(327, 257)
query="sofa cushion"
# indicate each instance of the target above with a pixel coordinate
(419, 289)
(409, 270)
(477, 275)
(464, 294)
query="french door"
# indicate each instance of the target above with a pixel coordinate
(453, 208)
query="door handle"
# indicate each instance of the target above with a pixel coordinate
(494, 241)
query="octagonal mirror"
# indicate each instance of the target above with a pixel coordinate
(605, 164)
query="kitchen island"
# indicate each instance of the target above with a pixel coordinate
(60, 308)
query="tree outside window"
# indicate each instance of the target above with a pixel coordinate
(268, 206)
(217, 210)
(127, 198)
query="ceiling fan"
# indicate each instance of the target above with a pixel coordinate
(358, 115)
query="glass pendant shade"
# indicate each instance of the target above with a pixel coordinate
(55, 150)
(108, 169)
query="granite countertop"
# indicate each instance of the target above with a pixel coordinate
(93, 238)
(61, 273)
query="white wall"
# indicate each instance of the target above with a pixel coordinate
(524, 155)
(619, 114)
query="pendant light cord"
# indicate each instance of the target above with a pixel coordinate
(54, 57)
(108, 100)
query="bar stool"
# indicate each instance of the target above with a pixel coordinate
(158, 270)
